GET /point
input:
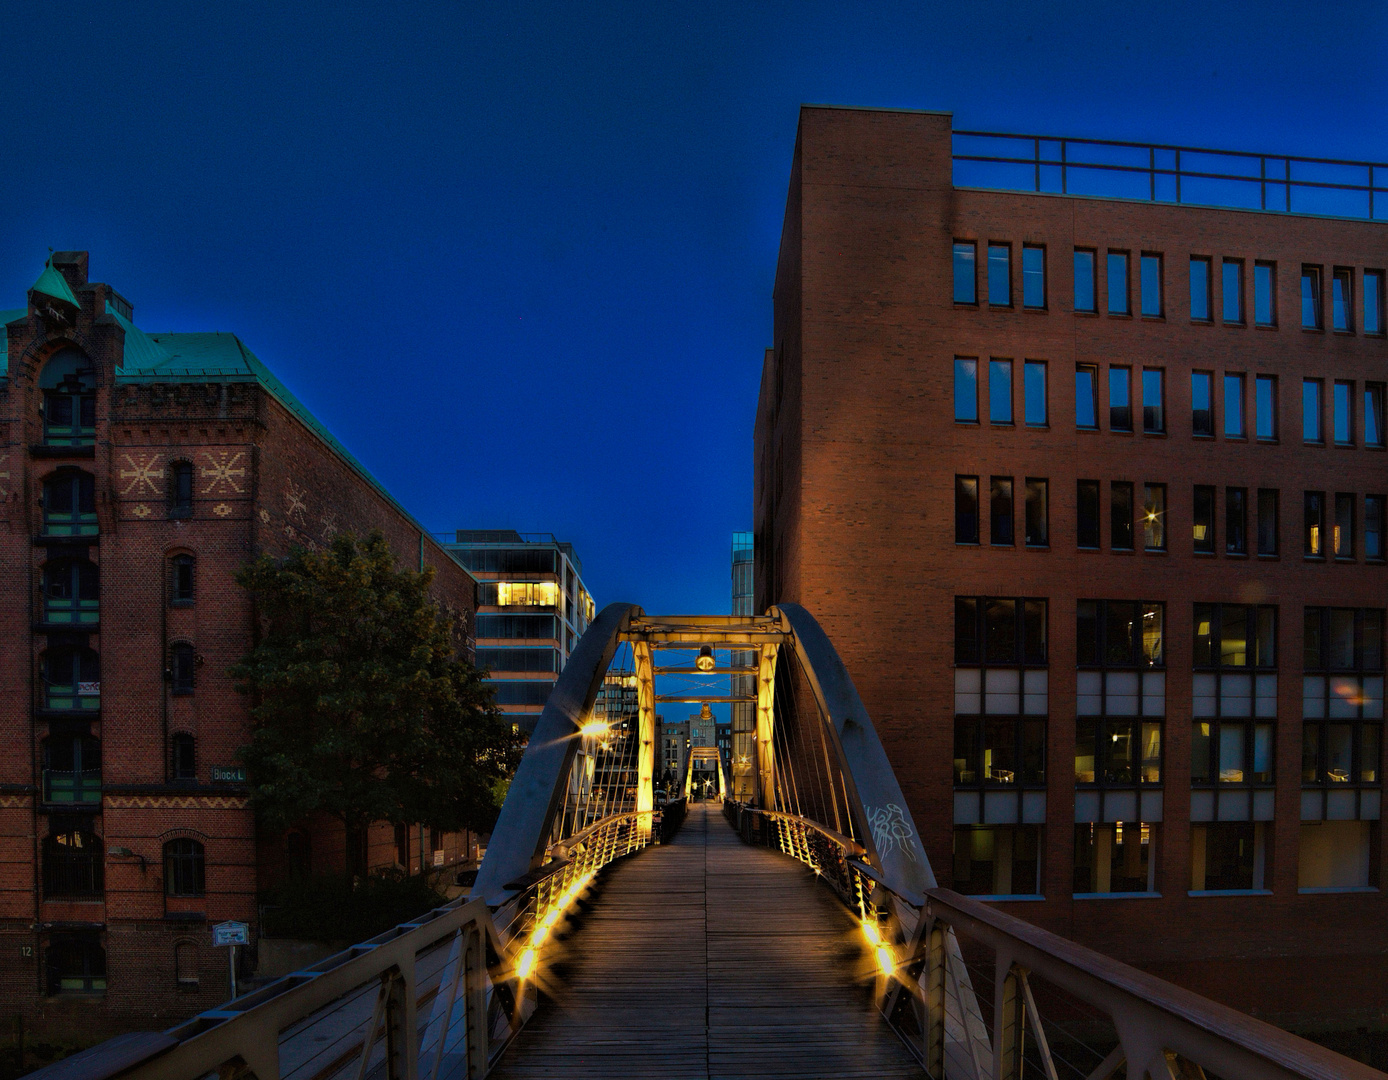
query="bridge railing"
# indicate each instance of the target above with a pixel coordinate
(1057, 1009)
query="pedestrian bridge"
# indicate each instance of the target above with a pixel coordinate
(791, 929)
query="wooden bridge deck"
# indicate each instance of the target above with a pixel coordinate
(707, 958)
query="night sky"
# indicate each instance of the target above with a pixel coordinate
(519, 257)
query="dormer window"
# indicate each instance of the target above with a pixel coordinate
(68, 383)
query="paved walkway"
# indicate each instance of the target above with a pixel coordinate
(707, 958)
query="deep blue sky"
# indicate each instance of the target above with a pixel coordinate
(519, 257)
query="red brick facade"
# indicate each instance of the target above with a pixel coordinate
(262, 479)
(857, 451)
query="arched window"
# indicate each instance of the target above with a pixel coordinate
(75, 964)
(69, 504)
(182, 661)
(298, 853)
(71, 679)
(184, 868)
(71, 591)
(69, 400)
(181, 489)
(181, 579)
(73, 866)
(186, 965)
(71, 769)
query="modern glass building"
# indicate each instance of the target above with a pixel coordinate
(532, 608)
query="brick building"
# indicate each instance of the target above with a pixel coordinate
(137, 473)
(1089, 492)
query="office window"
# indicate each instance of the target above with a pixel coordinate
(1033, 276)
(1233, 407)
(965, 390)
(1000, 275)
(1118, 283)
(1267, 521)
(1265, 407)
(1087, 513)
(1203, 532)
(1344, 639)
(1342, 409)
(1311, 423)
(1373, 414)
(1341, 299)
(1000, 510)
(1154, 517)
(1121, 515)
(1342, 538)
(1373, 527)
(1000, 391)
(1200, 289)
(997, 860)
(1235, 521)
(1202, 403)
(1038, 513)
(181, 489)
(1373, 301)
(1264, 294)
(1228, 856)
(991, 630)
(1311, 297)
(1086, 396)
(965, 273)
(1115, 858)
(1034, 391)
(1152, 287)
(966, 509)
(1233, 290)
(1313, 530)
(1120, 406)
(1085, 297)
(1124, 634)
(1153, 401)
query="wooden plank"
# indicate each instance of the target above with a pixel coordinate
(707, 959)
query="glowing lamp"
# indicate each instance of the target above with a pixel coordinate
(885, 960)
(594, 728)
(526, 964)
(705, 662)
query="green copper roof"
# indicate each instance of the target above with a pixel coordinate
(51, 283)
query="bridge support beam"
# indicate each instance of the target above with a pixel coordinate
(766, 726)
(645, 724)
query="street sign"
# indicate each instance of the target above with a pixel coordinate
(228, 774)
(231, 933)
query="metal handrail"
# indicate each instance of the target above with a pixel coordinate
(1063, 161)
(929, 999)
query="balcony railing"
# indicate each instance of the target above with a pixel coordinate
(69, 786)
(72, 875)
(1171, 174)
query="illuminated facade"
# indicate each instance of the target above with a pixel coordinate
(736, 747)
(532, 609)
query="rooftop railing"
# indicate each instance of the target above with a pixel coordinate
(1184, 175)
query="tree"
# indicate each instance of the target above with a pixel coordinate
(363, 706)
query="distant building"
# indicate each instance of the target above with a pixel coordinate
(738, 758)
(673, 740)
(532, 609)
(703, 735)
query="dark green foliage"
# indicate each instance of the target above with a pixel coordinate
(362, 708)
(328, 908)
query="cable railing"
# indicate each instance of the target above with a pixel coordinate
(1186, 175)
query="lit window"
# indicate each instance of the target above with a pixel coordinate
(1203, 532)
(527, 593)
(74, 866)
(1342, 537)
(1313, 532)
(1154, 517)
(1115, 858)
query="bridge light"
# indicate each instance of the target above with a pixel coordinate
(870, 932)
(705, 662)
(885, 960)
(526, 964)
(594, 728)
